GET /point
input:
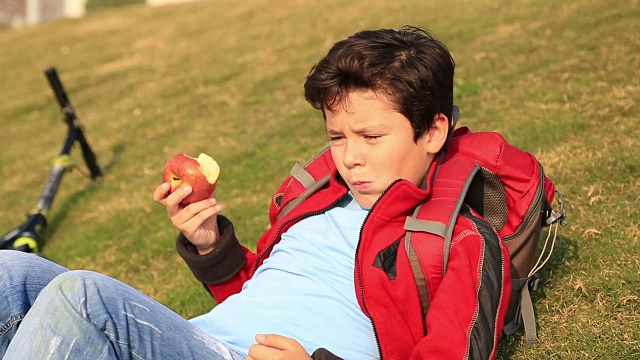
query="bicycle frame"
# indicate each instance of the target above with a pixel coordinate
(27, 236)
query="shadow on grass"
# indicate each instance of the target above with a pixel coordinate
(70, 201)
(565, 249)
(117, 151)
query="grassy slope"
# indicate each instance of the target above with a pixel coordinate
(558, 78)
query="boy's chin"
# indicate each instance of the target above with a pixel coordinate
(365, 201)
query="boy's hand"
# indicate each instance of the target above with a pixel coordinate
(197, 221)
(278, 347)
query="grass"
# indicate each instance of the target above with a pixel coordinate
(557, 78)
(102, 4)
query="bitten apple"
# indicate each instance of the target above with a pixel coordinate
(200, 173)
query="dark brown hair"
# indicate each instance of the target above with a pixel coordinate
(409, 66)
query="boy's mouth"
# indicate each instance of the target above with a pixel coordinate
(362, 186)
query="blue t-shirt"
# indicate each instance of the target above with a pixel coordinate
(304, 290)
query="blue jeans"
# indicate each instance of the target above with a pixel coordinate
(49, 312)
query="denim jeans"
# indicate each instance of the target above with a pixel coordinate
(49, 312)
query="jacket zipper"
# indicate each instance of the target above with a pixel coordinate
(359, 271)
(531, 212)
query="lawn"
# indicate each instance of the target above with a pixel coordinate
(557, 78)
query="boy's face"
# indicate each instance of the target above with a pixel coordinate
(373, 145)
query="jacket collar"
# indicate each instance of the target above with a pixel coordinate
(400, 198)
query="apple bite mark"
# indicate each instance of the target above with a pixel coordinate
(209, 168)
(201, 174)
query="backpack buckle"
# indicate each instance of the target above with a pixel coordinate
(533, 282)
(559, 215)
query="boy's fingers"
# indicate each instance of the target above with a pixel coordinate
(260, 352)
(273, 346)
(277, 341)
(196, 220)
(195, 211)
(174, 199)
(161, 193)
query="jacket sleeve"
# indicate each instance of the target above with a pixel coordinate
(466, 314)
(224, 270)
(324, 354)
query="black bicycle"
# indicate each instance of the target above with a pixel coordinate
(27, 236)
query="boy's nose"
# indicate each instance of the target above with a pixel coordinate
(353, 156)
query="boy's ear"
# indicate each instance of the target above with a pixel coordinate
(436, 136)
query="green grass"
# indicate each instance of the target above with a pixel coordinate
(557, 78)
(102, 4)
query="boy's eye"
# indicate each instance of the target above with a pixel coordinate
(372, 137)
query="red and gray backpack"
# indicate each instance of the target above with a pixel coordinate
(506, 186)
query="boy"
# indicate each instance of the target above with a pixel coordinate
(331, 277)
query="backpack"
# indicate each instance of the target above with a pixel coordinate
(507, 187)
(504, 185)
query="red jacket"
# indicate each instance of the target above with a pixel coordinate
(467, 309)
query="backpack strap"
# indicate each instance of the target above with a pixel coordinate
(310, 177)
(528, 314)
(429, 231)
(525, 314)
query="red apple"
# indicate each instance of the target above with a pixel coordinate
(201, 174)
